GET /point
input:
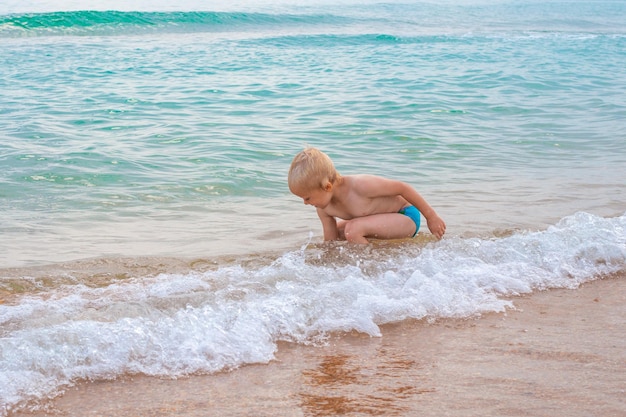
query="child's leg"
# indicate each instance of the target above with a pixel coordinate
(379, 226)
(341, 226)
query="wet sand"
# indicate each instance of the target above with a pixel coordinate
(560, 353)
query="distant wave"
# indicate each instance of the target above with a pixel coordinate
(415, 30)
(85, 23)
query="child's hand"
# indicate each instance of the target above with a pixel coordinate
(437, 226)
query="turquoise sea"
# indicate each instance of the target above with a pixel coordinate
(146, 224)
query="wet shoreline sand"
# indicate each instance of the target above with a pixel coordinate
(560, 352)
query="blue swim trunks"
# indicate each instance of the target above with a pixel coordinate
(414, 214)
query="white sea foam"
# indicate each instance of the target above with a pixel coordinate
(179, 324)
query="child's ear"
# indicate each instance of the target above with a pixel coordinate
(328, 186)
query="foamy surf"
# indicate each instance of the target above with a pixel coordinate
(199, 322)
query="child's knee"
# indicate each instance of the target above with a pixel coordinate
(353, 232)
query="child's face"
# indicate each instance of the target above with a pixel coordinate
(317, 197)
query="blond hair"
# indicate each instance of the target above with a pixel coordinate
(312, 169)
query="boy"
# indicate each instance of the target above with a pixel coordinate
(370, 206)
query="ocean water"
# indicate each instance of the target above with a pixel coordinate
(146, 225)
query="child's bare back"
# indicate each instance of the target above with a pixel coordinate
(364, 195)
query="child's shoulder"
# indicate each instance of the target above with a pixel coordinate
(362, 182)
(364, 178)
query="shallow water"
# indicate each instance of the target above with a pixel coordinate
(180, 140)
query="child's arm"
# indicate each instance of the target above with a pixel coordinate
(436, 225)
(329, 224)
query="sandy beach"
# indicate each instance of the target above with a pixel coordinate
(560, 352)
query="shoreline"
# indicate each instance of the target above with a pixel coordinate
(559, 352)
